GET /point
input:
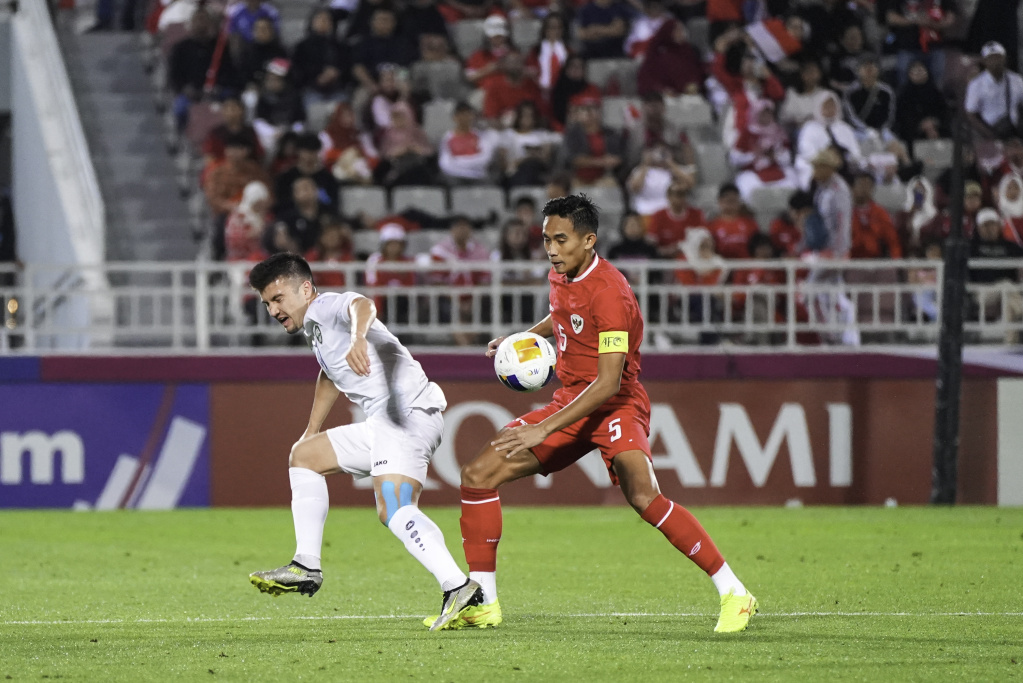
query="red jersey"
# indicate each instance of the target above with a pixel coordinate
(732, 235)
(596, 313)
(667, 229)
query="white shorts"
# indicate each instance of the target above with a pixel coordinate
(378, 446)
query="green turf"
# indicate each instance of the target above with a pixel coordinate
(588, 593)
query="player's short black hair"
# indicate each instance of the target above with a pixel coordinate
(578, 208)
(283, 264)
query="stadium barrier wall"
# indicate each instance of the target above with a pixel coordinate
(766, 429)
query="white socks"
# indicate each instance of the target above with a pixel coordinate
(425, 542)
(725, 580)
(309, 504)
(488, 582)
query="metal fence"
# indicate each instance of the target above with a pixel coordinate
(197, 307)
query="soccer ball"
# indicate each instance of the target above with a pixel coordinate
(525, 362)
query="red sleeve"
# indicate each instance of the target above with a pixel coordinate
(731, 84)
(609, 311)
(887, 230)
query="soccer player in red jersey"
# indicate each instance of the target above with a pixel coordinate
(598, 329)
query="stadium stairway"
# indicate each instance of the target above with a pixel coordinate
(147, 220)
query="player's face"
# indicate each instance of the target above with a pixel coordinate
(568, 250)
(286, 300)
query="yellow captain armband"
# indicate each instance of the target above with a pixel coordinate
(613, 342)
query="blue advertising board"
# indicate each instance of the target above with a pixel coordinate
(104, 446)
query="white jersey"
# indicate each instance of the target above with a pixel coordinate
(396, 383)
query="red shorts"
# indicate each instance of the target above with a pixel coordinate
(609, 429)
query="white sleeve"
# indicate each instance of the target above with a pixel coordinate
(336, 308)
(972, 101)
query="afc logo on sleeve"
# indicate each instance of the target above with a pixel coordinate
(613, 342)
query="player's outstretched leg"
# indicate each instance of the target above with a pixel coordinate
(686, 533)
(309, 504)
(396, 504)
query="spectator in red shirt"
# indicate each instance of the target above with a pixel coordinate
(461, 247)
(232, 113)
(571, 84)
(392, 252)
(668, 227)
(761, 155)
(468, 154)
(873, 232)
(333, 246)
(786, 230)
(243, 234)
(509, 88)
(484, 65)
(744, 76)
(672, 66)
(733, 227)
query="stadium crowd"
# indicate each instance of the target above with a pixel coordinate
(707, 130)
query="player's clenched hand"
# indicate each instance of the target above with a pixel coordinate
(492, 346)
(358, 357)
(521, 438)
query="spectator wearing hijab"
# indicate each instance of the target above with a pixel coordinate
(827, 130)
(320, 67)
(671, 66)
(571, 83)
(1009, 198)
(921, 112)
(243, 234)
(350, 154)
(801, 103)
(551, 53)
(405, 149)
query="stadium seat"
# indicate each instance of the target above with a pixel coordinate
(478, 202)
(365, 241)
(525, 33)
(489, 237)
(936, 155)
(421, 241)
(891, 197)
(689, 111)
(370, 200)
(293, 31)
(608, 199)
(602, 72)
(429, 199)
(467, 36)
(437, 119)
(705, 197)
(613, 110)
(770, 200)
(317, 114)
(712, 161)
(443, 80)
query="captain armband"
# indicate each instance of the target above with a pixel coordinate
(613, 342)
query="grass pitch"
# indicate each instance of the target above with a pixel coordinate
(871, 594)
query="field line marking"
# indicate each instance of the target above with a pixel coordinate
(589, 615)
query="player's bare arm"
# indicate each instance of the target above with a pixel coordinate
(313, 450)
(363, 313)
(606, 385)
(544, 328)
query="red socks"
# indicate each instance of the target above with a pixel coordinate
(682, 530)
(481, 528)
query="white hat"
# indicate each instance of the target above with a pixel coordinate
(392, 231)
(988, 215)
(495, 25)
(992, 47)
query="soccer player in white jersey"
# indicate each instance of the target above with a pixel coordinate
(359, 356)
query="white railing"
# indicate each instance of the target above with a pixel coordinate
(198, 307)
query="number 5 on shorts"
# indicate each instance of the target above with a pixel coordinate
(615, 429)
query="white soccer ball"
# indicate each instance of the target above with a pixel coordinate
(525, 362)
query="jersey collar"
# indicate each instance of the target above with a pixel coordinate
(586, 272)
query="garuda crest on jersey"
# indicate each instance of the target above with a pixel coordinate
(577, 323)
